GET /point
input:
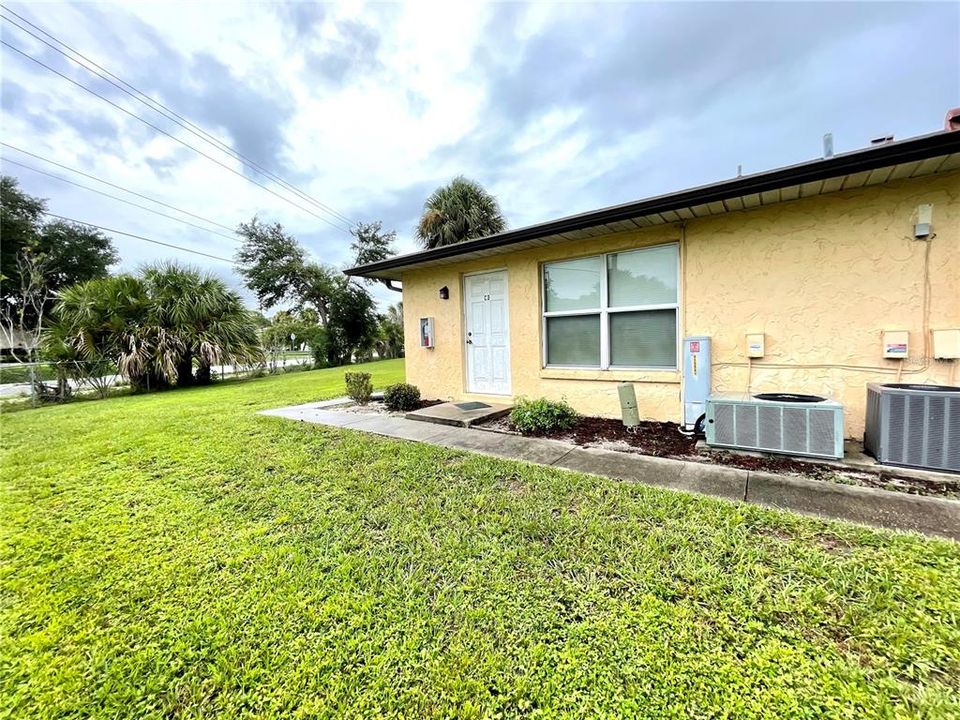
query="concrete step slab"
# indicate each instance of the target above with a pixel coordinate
(450, 414)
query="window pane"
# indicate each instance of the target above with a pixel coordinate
(573, 285)
(644, 339)
(573, 340)
(643, 277)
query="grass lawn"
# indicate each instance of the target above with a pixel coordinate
(176, 555)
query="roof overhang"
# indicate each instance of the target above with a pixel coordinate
(914, 157)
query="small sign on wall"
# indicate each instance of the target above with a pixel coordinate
(896, 344)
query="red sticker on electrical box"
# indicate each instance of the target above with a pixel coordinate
(694, 346)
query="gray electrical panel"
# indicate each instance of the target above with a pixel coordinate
(696, 378)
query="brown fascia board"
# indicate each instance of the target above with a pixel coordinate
(871, 158)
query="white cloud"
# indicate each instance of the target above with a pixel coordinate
(367, 107)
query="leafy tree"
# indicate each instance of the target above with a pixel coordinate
(372, 244)
(276, 269)
(76, 252)
(69, 253)
(459, 211)
(270, 261)
(317, 288)
(21, 218)
(352, 328)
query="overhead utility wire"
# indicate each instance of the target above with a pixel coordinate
(169, 135)
(119, 199)
(138, 237)
(167, 112)
(118, 187)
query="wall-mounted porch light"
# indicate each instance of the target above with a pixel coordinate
(444, 293)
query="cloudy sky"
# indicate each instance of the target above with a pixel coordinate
(555, 108)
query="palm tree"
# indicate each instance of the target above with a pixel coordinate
(95, 327)
(459, 211)
(196, 318)
(393, 330)
(154, 328)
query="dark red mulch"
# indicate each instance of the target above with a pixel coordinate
(429, 403)
(664, 439)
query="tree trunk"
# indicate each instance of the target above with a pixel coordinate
(203, 374)
(185, 369)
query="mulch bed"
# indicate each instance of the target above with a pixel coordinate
(664, 439)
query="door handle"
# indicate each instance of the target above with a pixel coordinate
(469, 341)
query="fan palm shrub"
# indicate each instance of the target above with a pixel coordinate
(459, 211)
(199, 322)
(170, 325)
(102, 323)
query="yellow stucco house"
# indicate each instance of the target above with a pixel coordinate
(814, 278)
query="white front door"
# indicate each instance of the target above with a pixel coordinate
(487, 333)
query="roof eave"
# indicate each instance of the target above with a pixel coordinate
(871, 158)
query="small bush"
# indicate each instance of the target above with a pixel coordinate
(402, 396)
(531, 417)
(359, 387)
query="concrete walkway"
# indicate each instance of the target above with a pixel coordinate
(869, 506)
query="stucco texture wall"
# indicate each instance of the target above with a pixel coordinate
(821, 277)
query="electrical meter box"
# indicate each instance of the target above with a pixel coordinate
(696, 378)
(945, 344)
(896, 344)
(755, 345)
(426, 332)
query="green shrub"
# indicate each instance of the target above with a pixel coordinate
(359, 387)
(531, 417)
(402, 396)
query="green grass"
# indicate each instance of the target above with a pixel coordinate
(177, 556)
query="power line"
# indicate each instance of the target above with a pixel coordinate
(169, 135)
(138, 237)
(113, 185)
(162, 109)
(119, 199)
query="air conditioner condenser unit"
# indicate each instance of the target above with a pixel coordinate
(914, 425)
(784, 423)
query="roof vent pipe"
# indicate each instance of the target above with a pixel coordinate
(828, 145)
(952, 121)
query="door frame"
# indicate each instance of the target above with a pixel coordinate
(463, 330)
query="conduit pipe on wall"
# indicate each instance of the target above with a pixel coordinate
(899, 371)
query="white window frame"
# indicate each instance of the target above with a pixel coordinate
(605, 311)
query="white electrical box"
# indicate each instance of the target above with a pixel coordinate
(896, 344)
(426, 332)
(755, 345)
(945, 344)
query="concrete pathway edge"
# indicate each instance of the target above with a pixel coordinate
(866, 506)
